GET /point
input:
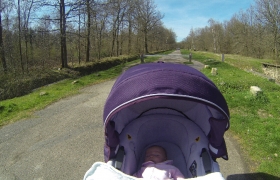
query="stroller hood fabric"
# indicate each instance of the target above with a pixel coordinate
(142, 85)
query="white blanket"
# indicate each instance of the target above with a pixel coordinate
(103, 171)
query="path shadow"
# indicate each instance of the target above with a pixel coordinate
(252, 176)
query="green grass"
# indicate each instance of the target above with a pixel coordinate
(242, 62)
(255, 121)
(18, 108)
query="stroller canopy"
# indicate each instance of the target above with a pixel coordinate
(162, 86)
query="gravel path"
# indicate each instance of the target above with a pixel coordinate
(63, 140)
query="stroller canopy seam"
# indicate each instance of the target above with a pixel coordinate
(161, 95)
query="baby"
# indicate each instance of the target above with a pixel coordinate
(156, 166)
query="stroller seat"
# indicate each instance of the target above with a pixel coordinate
(182, 139)
(170, 105)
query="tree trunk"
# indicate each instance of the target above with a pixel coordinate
(99, 37)
(129, 35)
(146, 42)
(63, 35)
(19, 37)
(31, 46)
(113, 43)
(79, 43)
(2, 52)
(275, 45)
(118, 43)
(26, 49)
(27, 33)
(88, 32)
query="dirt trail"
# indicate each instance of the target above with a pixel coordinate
(63, 140)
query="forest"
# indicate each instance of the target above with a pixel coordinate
(38, 35)
(254, 32)
(42, 41)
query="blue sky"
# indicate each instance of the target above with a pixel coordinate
(182, 15)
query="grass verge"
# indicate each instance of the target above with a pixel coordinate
(18, 108)
(255, 121)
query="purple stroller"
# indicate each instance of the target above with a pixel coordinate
(171, 105)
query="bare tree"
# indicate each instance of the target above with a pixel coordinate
(228, 40)
(117, 12)
(63, 47)
(7, 23)
(258, 36)
(268, 13)
(2, 51)
(147, 17)
(88, 29)
(79, 36)
(63, 16)
(130, 19)
(27, 8)
(192, 40)
(19, 35)
(100, 21)
(42, 42)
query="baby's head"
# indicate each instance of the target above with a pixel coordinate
(156, 154)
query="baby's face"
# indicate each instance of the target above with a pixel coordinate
(155, 154)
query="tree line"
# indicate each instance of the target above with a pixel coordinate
(253, 32)
(37, 34)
